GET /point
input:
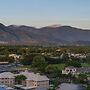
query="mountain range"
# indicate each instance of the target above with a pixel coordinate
(49, 35)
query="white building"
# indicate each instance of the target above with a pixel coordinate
(35, 81)
(77, 55)
(75, 70)
(68, 70)
(15, 56)
(7, 78)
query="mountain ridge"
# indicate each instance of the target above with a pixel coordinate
(58, 35)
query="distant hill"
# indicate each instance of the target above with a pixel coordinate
(57, 35)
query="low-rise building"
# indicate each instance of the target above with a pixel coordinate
(7, 78)
(15, 56)
(77, 55)
(35, 81)
(74, 70)
(68, 70)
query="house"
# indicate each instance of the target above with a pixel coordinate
(15, 56)
(75, 70)
(68, 70)
(35, 81)
(7, 78)
(82, 56)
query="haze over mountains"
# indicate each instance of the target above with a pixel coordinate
(57, 35)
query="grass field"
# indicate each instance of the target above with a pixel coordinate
(85, 65)
(60, 66)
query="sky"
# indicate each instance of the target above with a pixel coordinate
(41, 13)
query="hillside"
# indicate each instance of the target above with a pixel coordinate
(58, 35)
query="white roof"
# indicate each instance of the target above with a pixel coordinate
(33, 76)
(7, 75)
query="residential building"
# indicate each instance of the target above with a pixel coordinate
(68, 70)
(7, 78)
(82, 56)
(35, 81)
(74, 70)
(15, 56)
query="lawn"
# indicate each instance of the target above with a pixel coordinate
(60, 66)
(85, 65)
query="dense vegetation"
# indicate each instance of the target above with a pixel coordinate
(53, 55)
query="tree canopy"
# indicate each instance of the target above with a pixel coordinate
(20, 78)
(39, 63)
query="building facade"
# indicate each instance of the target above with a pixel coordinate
(7, 78)
(35, 81)
(75, 70)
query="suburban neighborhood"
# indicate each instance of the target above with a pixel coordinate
(37, 68)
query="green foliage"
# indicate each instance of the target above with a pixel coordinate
(85, 64)
(39, 63)
(88, 87)
(27, 60)
(56, 83)
(20, 78)
(73, 63)
(82, 78)
(65, 57)
(7, 59)
(52, 71)
(88, 59)
(59, 66)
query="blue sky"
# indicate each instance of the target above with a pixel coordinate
(45, 12)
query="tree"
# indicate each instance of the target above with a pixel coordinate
(52, 71)
(88, 59)
(65, 57)
(39, 63)
(82, 78)
(27, 60)
(7, 59)
(88, 87)
(20, 78)
(73, 63)
(56, 83)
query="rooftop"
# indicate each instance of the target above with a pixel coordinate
(7, 75)
(33, 76)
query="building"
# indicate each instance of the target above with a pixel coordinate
(68, 70)
(4, 63)
(35, 81)
(7, 78)
(15, 56)
(81, 56)
(74, 70)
